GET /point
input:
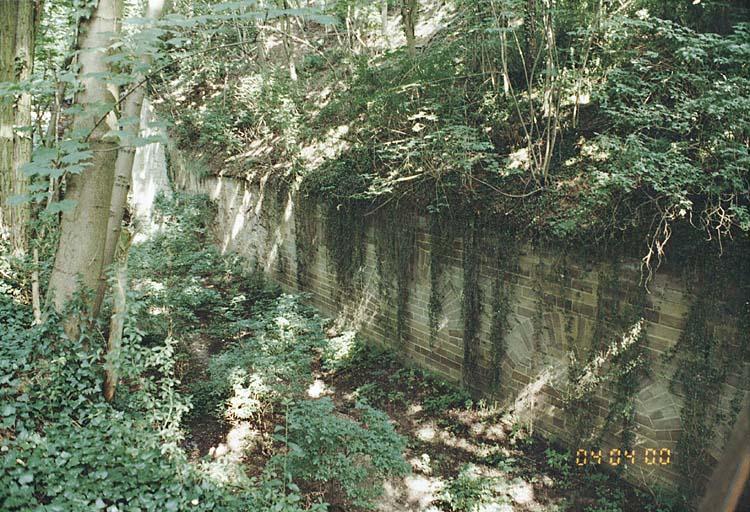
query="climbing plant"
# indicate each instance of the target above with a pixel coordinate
(395, 248)
(442, 235)
(614, 358)
(344, 235)
(705, 356)
(502, 251)
(305, 236)
(471, 303)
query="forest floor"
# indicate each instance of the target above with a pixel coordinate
(464, 455)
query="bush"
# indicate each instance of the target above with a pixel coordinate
(325, 447)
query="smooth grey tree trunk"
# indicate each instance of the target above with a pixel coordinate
(83, 231)
(124, 168)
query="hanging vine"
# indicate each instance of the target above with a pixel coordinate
(502, 249)
(395, 248)
(705, 358)
(471, 307)
(442, 234)
(305, 235)
(618, 341)
(345, 239)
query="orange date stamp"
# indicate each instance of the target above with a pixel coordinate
(617, 456)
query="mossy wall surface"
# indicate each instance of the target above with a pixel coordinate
(573, 343)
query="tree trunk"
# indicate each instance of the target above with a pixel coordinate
(409, 10)
(124, 167)
(384, 20)
(116, 324)
(18, 22)
(83, 231)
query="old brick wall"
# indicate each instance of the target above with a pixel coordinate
(554, 302)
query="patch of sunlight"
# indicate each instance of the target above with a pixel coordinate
(592, 373)
(340, 347)
(530, 393)
(217, 190)
(492, 432)
(241, 437)
(417, 491)
(593, 150)
(317, 389)
(521, 492)
(271, 42)
(246, 393)
(519, 159)
(330, 146)
(495, 507)
(157, 310)
(429, 432)
(583, 98)
(414, 409)
(426, 433)
(357, 313)
(223, 472)
(238, 224)
(421, 464)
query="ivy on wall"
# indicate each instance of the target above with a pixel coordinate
(344, 234)
(706, 356)
(305, 236)
(395, 248)
(615, 358)
(471, 303)
(442, 234)
(501, 249)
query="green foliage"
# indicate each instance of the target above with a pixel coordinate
(344, 235)
(468, 491)
(677, 103)
(324, 447)
(395, 249)
(471, 305)
(186, 281)
(558, 461)
(706, 357)
(251, 375)
(64, 448)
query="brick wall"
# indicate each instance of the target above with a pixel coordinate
(553, 308)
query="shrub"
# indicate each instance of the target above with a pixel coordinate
(325, 447)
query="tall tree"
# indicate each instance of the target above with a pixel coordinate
(18, 22)
(409, 10)
(83, 230)
(131, 113)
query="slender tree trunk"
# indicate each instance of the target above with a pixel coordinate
(116, 324)
(8, 17)
(384, 20)
(124, 168)
(409, 10)
(83, 231)
(18, 22)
